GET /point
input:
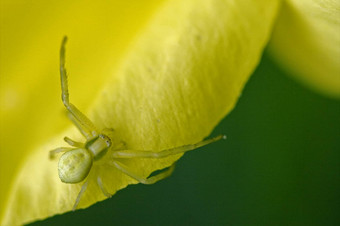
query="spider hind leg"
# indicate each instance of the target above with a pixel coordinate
(53, 152)
(102, 188)
(80, 194)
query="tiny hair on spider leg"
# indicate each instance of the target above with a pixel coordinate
(76, 162)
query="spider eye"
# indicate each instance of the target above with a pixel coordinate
(106, 139)
(74, 165)
(108, 142)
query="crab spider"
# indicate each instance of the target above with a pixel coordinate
(76, 162)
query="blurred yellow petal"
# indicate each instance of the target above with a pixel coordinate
(180, 78)
(306, 39)
(30, 108)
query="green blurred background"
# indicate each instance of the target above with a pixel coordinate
(279, 166)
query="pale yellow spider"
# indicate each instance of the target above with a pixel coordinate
(75, 164)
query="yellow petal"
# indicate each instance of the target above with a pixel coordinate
(180, 78)
(30, 108)
(306, 39)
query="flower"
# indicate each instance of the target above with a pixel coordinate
(162, 74)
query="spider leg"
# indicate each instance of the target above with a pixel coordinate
(151, 180)
(73, 143)
(100, 184)
(58, 150)
(164, 153)
(79, 117)
(82, 190)
(83, 130)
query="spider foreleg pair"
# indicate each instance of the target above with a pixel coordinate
(76, 162)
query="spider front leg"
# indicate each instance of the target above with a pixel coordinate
(84, 124)
(151, 180)
(82, 129)
(164, 153)
(151, 154)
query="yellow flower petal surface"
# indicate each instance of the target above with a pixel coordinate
(30, 108)
(179, 79)
(306, 39)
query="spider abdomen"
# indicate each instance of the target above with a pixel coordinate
(75, 165)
